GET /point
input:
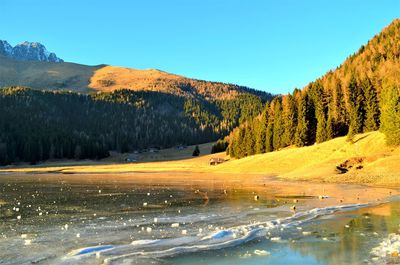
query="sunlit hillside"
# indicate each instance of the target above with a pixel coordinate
(368, 160)
(110, 78)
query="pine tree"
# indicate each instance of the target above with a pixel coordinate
(262, 132)
(301, 136)
(390, 114)
(269, 134)
(339, 115)
(322, 134)
(289, 120)
(320, 104)
(196, 151)
(329, 126)
(372, 112)
(240, 149)
(356, 99)
(278, 125)
(249, 140)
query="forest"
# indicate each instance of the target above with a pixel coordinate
(40, 125)
(361, 95)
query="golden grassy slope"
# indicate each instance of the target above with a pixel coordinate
(45, 75)
(110, 78)
(380, 164)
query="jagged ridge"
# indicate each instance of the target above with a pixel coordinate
(28, 51)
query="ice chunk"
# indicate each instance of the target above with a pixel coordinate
(261, 252)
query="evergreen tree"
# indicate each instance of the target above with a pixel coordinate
(372, 112)
(329, 126)
(249, 140)
(289, 120)
(262, 132)
(322, 132)
(302, 130)
(196, 151)
(320, 103)
(240, 146)
(337, 111)
(278, 125)
(356, 99)
(269, 147)
(390, 114)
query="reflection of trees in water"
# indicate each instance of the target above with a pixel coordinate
(350, 245)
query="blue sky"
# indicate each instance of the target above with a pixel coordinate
(272, 45)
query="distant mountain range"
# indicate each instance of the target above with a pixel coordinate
(30, 64)
(28, 51)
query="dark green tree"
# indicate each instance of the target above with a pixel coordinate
(277, 141)
(289, 120)
(356, 99)
(196, 151)
(302, 136)
(262, 132)
(390, 114)
(372, 111)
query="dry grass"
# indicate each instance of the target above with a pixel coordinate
(44, 75)
(110, 78)
(380, 164)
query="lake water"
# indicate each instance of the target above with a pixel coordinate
(83, 219)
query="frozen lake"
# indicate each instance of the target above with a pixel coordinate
(83, 219)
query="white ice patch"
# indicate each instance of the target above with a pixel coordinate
(222, 238)
(389, 247)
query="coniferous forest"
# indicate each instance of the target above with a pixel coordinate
(361, 95)
(39, 125)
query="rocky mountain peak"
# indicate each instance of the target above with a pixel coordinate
(28, 51)
(5, 48)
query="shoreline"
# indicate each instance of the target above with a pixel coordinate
(323, 193)
(369, 162)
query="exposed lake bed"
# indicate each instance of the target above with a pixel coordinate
(143, 218)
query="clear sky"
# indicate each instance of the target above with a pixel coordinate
(272, 45)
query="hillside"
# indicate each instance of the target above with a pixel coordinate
(37, 125)
(45, 75)
(54, 109)
(104, 78)
(367, 160)
(361, 95)
(111, 78)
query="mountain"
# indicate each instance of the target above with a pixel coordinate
(111, 78)
(5, 48)
(28, 51)
(105, 78)
(79, 111)
(45, 75)
(361, 95)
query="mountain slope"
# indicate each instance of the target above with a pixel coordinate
(45, 75)
(31, 65)
(111, 78)
(370, 160)
(361, 95)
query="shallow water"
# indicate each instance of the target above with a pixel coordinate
(70, 219)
